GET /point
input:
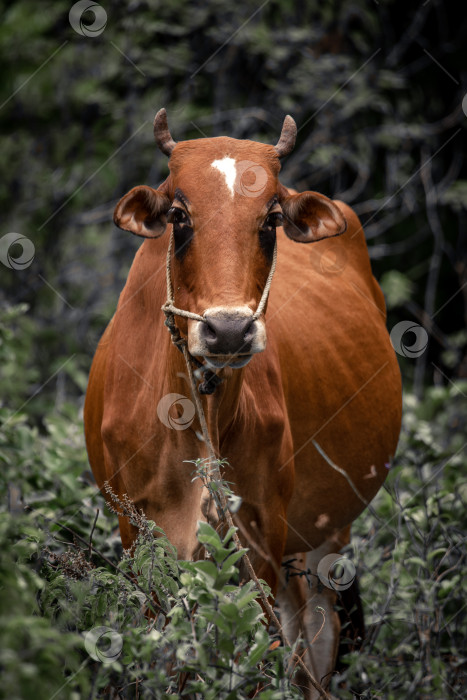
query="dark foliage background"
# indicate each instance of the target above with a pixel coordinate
(379, 94)
(376, 90)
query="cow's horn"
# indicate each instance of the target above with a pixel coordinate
(162, 134)
(288, 135)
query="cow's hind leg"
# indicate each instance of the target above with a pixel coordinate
(307, 608)
(350, 611)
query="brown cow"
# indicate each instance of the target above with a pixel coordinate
(308, 411)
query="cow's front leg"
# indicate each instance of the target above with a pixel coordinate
(262, 485)
(264, 538)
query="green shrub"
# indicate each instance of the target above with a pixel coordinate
(411, 555)
(74, 610)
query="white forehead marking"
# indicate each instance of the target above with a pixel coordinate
(226, 166)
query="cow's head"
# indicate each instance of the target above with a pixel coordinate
(224, 202)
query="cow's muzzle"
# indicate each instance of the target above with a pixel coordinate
(227, 337)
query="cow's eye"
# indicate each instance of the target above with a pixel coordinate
(175, 215)
(267, 233)
(272, 220)
(183, 231)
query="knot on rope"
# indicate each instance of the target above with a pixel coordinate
(177, 338)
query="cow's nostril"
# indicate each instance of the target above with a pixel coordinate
(227, 335)
(209, 332)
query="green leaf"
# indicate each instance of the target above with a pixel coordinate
(233, 558)
(207, 568)
(259, 648)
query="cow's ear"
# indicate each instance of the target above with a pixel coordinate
(143, 211)
(310, 217)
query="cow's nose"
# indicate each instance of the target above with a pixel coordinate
(228, 335)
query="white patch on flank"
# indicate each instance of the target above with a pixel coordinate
(226, 166)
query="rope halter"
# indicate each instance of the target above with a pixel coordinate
(211, 380)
